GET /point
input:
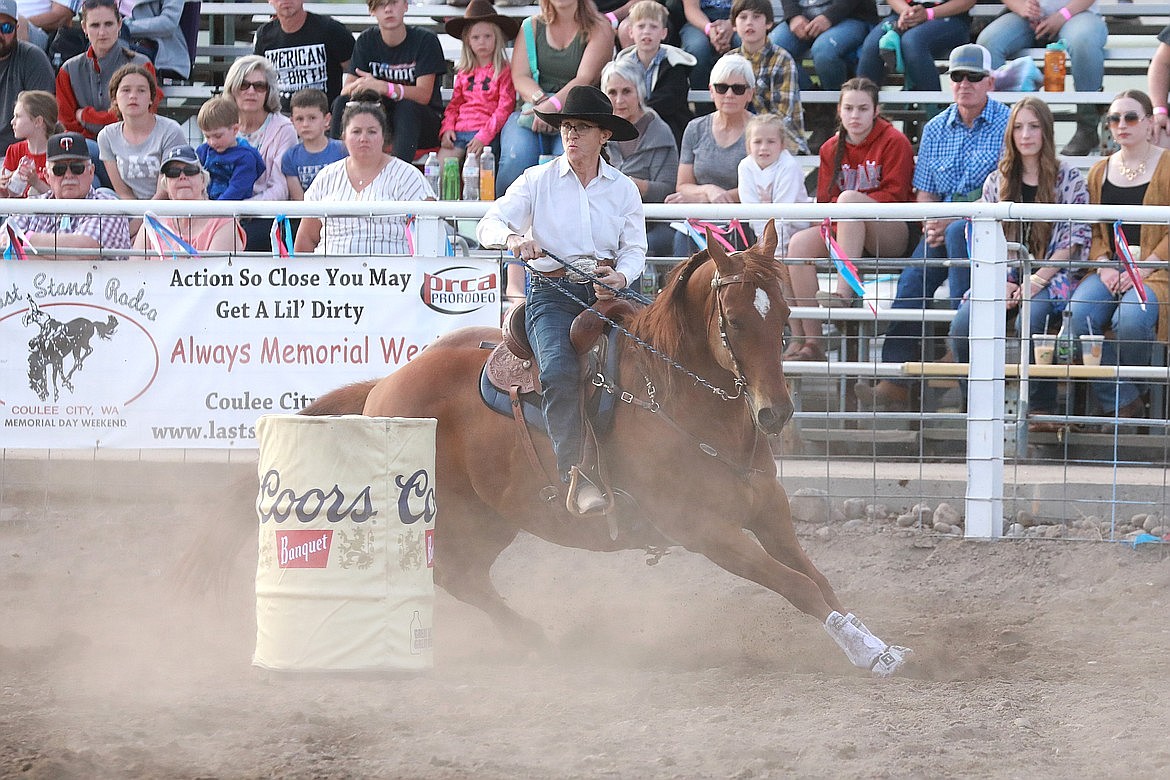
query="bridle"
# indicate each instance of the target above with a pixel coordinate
(740, 380)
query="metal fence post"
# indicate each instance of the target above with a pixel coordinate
(985, 383)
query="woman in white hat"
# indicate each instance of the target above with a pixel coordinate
(586, 212)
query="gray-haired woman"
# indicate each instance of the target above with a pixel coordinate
(251, 83)
(651, 159)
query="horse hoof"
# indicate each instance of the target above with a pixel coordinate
(890, 660)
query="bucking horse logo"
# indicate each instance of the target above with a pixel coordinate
(55, 341)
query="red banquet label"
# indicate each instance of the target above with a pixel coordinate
(303, 549)
(460, 290)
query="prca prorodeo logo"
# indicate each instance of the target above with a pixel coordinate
(460, 290)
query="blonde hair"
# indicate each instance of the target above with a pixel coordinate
(467, 61)
(217, 113)
(760, 122)
(649, 10)
(586, 15)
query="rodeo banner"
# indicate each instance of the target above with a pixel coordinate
(147, 354)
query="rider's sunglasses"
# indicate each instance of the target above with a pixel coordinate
(175, 171)
(1130, 117)
(974, 78)
(738, 89)
(7, 28)
(76, 168)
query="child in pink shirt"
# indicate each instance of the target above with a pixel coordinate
(484, 96)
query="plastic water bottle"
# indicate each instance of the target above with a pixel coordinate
(1055, 66)
(487, 175)
(19, 181)
(450, 184)
(432, 170)
(1065, 346)
(471, 177)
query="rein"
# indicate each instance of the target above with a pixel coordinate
(743, 472)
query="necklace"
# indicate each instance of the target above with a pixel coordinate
(1132, 173)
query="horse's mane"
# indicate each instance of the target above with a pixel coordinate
(667, 324)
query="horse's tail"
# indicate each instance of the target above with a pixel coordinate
(350, 399)
(106, 329)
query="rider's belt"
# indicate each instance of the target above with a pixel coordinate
(556, 274)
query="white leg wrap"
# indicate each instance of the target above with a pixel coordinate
(863, 648)
(857, 622)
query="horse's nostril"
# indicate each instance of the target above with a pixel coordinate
(772, 421)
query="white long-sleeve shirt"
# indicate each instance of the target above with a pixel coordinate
(547, 202)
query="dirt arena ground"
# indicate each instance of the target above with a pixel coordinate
(1034, 659)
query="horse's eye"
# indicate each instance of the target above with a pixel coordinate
(735, 324)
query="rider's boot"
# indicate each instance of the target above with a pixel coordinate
(583, 497)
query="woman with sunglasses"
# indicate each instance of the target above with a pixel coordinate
(1030, 172)
(367, 174)
(183, 178)
(132, 149)
(251, 83)
(606, 223)
(83, 83)
(923, 31)
(1138, 173)
(714, 144)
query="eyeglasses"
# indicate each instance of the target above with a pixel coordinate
(256, 86)
(568, 128)
(76, 168)
(7, 28)
(738, 89)
(974, 78)
(175, 171)
(1130, 117)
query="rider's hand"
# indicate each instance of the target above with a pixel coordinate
(611, 277)
(523, 248)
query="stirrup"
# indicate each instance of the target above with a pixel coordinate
(577, 481)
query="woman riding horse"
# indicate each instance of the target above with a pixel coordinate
(581, 210)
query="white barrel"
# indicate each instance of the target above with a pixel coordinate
(347, 520)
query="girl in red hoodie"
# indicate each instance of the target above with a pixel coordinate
(867, 161)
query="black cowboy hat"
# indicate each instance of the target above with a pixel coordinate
(482, 11)
(591, 104)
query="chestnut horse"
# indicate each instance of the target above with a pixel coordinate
(694, 459)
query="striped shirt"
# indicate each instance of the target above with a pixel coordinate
(381, 235)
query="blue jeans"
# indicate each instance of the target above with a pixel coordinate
(696, 43)
(520, 149)
(916, 286)
(547, 318)
(834, 51)
(1041, 393)
(921, 46)
(1134, 332)
(1084, 34)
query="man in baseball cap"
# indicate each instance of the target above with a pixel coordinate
(72, 236)
(959, 147)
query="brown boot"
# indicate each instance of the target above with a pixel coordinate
(1086, 140)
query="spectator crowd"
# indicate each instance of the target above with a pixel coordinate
(318, 114)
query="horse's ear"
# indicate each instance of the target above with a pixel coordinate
(715, 249)
(767, 242)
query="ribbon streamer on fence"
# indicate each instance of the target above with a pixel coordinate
(282, 240)
(845, 266)
(696, 228)
(410, 236)
(164, 240)
(17, 242)
(1135, 276)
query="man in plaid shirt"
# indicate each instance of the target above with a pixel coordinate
(959, 148)
(72, 236)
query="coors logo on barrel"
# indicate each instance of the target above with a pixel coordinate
(309, 505)
(459, 290)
